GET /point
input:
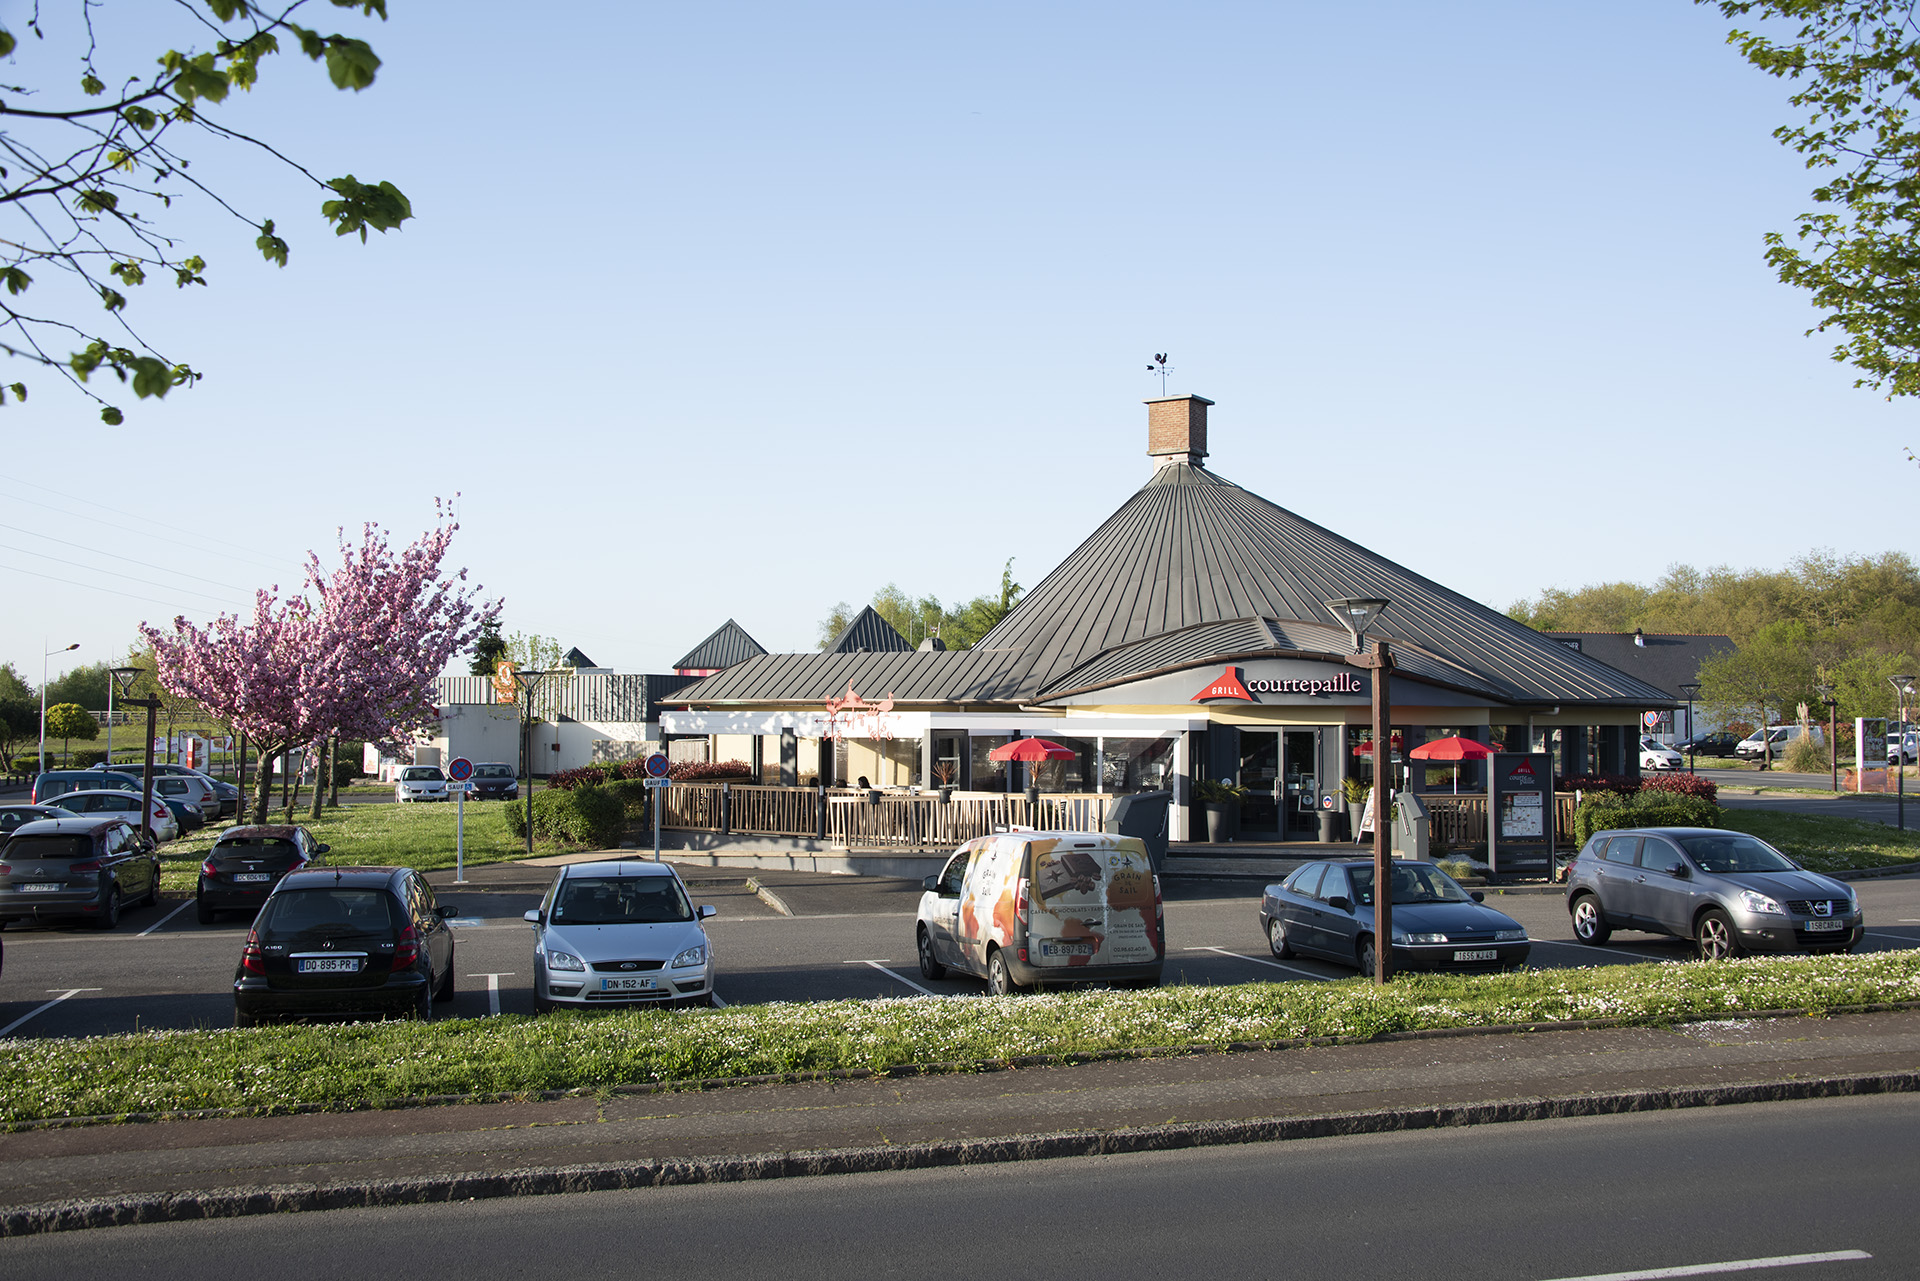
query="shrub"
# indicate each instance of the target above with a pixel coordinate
(1645, 809)
(1804, 756)
(28, 764)
(588, 775)
(1682, 785)
(634, 797)
(89, 757)
(1618, 784)
(584, 815)
(708, 771)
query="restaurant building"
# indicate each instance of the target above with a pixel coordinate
(1188, 637)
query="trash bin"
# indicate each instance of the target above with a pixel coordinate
(1142, 814)
(1326, 827)
(1410, 827)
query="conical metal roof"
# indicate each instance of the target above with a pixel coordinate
(728, 645)
(868, 633)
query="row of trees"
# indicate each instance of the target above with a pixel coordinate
(958, 626)
(1848, 623)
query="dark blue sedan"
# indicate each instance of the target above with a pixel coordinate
(1326, 910)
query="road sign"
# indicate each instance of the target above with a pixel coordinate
(1650, 719)
(460, 769)
(657, 766)
(658, 782)
(459, 785)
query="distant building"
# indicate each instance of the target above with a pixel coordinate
(729, 645)
(1663, 660)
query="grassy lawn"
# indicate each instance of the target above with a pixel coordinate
(356, 1065)
(1824, 844)
(416, 835)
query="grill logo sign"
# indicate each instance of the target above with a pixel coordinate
(1230, 684)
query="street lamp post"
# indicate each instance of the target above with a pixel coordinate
(1689, 689)
(1833, 734)
(43, 698)
(1902, 686)
(124, 677)
(528, 683)
(1355, 614)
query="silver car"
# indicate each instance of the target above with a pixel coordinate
(620, 933)
(1727, 891)
(420, 783)
(162, 823)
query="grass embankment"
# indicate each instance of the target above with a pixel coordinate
(1823, 844)
(361, 1065)
(395, 835)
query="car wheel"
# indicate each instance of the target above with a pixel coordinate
(445, 991)
(1715, 937)
(204, 913)
(1277, 939)
(999, 977)
(1589, 922)
(1369, 956)
(423, 1003)
(929, 968)
(109, 910)
(243, 1019)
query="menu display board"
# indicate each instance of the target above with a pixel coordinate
(1520, 833)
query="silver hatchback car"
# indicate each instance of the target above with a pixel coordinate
(1727, 891)
(620, 933)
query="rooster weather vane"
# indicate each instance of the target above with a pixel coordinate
(1161, 367)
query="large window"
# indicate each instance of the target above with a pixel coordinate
(1136, 764)
(988, 775)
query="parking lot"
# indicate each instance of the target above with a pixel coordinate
(838, 937)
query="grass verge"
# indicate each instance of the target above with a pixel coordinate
(415, 835)
(1823, 844)
(359, 1065)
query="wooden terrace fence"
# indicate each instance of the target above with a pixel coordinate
(1462, 820)
(853, 819)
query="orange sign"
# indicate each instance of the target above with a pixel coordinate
(505, 688)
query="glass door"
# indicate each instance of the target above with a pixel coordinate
(1260, 816)
(1301, 800)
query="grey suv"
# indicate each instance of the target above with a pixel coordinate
(1729, 892)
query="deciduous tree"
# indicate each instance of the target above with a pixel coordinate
(70, 721)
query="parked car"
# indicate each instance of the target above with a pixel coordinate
(178, 783)
(54, 782)
(1903, 748)
(420, 783)
(1727, 891)
(126, 803)
(245, 864)
(1026, 909)
(495, 782)
(185, 813)
(1656, 755)
(1773, 741)
(1717, 743)
(355, 940)
(90, 866)
(1326, 910)
(12, 816)
(620, 933)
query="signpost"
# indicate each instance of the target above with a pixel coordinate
(657, 770)
(459, 770)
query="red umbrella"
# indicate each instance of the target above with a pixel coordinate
(1033, 751)
(1455, 749)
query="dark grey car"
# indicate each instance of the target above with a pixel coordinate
(88, 866)
(1727, 891)
(1326, 909)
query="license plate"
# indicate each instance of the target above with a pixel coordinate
(1478, 954)
(253, 876)
(1066, 949)
(329, 964)
(1812, 926)
(626, 985)
(40, 889)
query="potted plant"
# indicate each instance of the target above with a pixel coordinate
(1220, 802)
(944, 773)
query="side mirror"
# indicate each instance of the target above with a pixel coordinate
(531, 918)
(321, 849)
(447, 910)
(1340, 903)
(1679, 869)
(707, 910)
(1476, 896)
(930, 883)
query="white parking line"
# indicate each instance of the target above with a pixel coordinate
(72, 991)
(1599, 952)
(1732, 1265)
(718, 1004)
(1897, 938)
(1259, 960)
(163, 920)
(894, 974)
(493, 989)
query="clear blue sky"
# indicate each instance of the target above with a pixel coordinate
(746, 309)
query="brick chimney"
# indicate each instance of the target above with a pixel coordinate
(1177, 430)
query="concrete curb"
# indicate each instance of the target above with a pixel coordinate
(768, 897)
(546, 1181)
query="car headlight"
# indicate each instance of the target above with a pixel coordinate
(564, 961)
(1509, 936)
(1754, 901)
(1401, 936)
(695, 955)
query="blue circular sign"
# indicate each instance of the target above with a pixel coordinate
(460, 769)
(656, 766)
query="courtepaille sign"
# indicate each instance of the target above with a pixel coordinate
(1234, 684)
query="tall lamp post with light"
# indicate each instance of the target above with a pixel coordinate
(1833, 734)
(124, 677)
(1688, 689)
(528, 682)
(1902, 686)
(43, 699)
(1356, 614)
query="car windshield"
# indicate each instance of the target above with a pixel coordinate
(492, 771)
(1733, 853)
(621, 900)
(328, 912)
(421, 774)
(1418, 884)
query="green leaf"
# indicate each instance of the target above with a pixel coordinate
(151, 377)
(129, 272)
(196, 77)
(271, 246)
(113, 298)
(139, 117)
(367, 7)
(189, 272)
(111, 416)
(228, 10)
(15, 280)
(20, 390)
(351, 63)
(93, 200)
(6, 42)
(380, 207)
(91, 86)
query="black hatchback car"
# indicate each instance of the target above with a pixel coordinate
(349, 940)
(88, 865)
(494, 782)
(247, 862)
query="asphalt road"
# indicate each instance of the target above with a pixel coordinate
(848, 937)
(1620, 1195)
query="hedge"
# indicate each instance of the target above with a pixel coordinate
(590, 816)
(1603, 810)
(1630, 785)
(618, 771)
